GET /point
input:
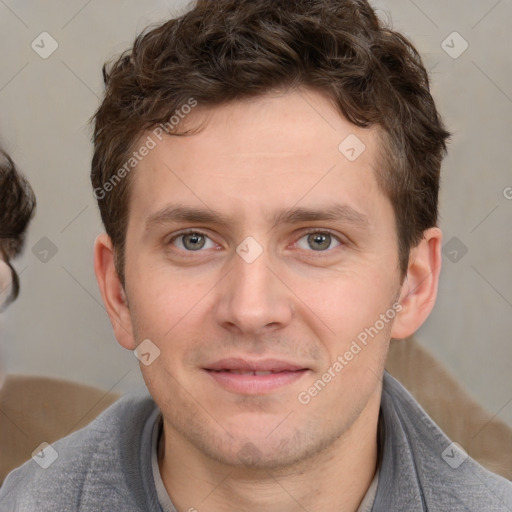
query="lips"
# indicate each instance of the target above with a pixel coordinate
(254, 377)
(265, 366)
(249, 372)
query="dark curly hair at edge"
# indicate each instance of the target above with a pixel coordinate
(225, 50)
(17, 205)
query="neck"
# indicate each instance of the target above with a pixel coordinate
(337, 478)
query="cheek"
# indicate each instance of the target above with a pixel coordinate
(172, 317)
(349, 301)
(359, 314)
(160, 299)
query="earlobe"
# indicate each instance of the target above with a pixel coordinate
(419, 289)
(112, 291)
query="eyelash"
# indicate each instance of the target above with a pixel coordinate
(309, 232)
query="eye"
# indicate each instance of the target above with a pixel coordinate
(191, 241)
(319, 241)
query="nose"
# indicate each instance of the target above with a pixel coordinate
(253, 298)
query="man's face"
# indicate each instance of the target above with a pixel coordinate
(265, 285)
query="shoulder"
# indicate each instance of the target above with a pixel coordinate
(443, 474)
(87, 466)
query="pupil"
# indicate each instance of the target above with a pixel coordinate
(323, 240)
(193, 241)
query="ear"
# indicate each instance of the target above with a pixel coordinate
(112, 291)
(419, 289)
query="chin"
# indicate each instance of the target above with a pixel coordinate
(262, 455)
(289, 448)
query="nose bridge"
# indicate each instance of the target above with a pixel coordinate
(252, 298)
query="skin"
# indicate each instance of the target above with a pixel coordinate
(5, 292)
(249, 160)
(5, 282)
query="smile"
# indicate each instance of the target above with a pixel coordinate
(254, 377)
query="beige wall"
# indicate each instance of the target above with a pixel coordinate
(59, 326)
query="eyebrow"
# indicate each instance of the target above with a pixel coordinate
(181, 213)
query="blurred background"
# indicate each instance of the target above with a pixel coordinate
(51, 84)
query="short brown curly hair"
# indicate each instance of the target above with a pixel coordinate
(222, 50)
(17, 205)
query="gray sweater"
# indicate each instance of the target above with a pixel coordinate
(107, 466)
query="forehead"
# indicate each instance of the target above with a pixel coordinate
(273, 151)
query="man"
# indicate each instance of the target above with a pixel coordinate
(17, 205)
(25, 401)
(267, 172)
